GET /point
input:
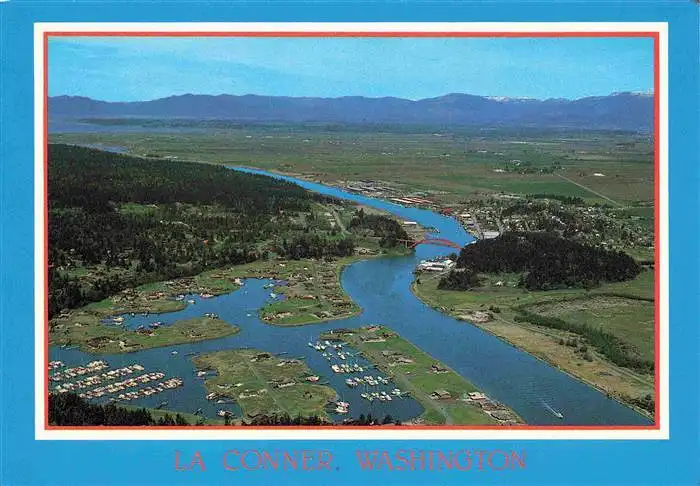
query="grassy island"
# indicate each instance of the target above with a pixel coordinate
(263, 384)
(447, 397)
(84, 329)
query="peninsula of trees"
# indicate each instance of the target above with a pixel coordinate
(545, 260)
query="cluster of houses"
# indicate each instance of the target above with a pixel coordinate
(595, 225)
(492, 408)
(438, 265)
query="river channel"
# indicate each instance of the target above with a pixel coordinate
(381, 287)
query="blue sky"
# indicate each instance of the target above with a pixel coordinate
(129, 69)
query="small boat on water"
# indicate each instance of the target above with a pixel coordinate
(191, 301)
(556, 413)
(174, 353)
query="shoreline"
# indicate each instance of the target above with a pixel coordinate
(549, 362)
(191, 286)
(353, 260)
(421, 358)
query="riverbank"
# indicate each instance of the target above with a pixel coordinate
(622, 309)
(264, 384)
(448, 398)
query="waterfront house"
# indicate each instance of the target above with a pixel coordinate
(440, 395)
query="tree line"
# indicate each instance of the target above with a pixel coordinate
(604, 342)
(568, 200)
(546, 261)
(70, 409)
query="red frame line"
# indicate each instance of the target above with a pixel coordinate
(657, 214)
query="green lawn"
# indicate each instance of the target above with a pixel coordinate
(84, 329)
(252, 384)
(631, 320)
(191, 418)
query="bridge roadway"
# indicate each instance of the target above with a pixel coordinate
(431, 241)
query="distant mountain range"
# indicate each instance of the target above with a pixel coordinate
(618, 111)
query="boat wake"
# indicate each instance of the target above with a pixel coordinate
(557, 414)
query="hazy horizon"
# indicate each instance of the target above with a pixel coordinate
(142, 69)
(497, 98)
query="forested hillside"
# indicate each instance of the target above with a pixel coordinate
(388, 230)
(117, 221)
(546, 261)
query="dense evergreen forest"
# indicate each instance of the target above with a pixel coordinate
(388, 230)
(132, 221)
(546, 261)
(70, 409)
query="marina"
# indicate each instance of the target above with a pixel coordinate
(114, 388)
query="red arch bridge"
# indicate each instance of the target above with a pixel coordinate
(430, 241)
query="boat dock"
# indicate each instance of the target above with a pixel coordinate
(93, 391)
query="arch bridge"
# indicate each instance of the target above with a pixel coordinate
(431, 241)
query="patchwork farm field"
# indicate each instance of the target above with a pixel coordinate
(449, 164)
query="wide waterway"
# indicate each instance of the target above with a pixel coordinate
(381, 287)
